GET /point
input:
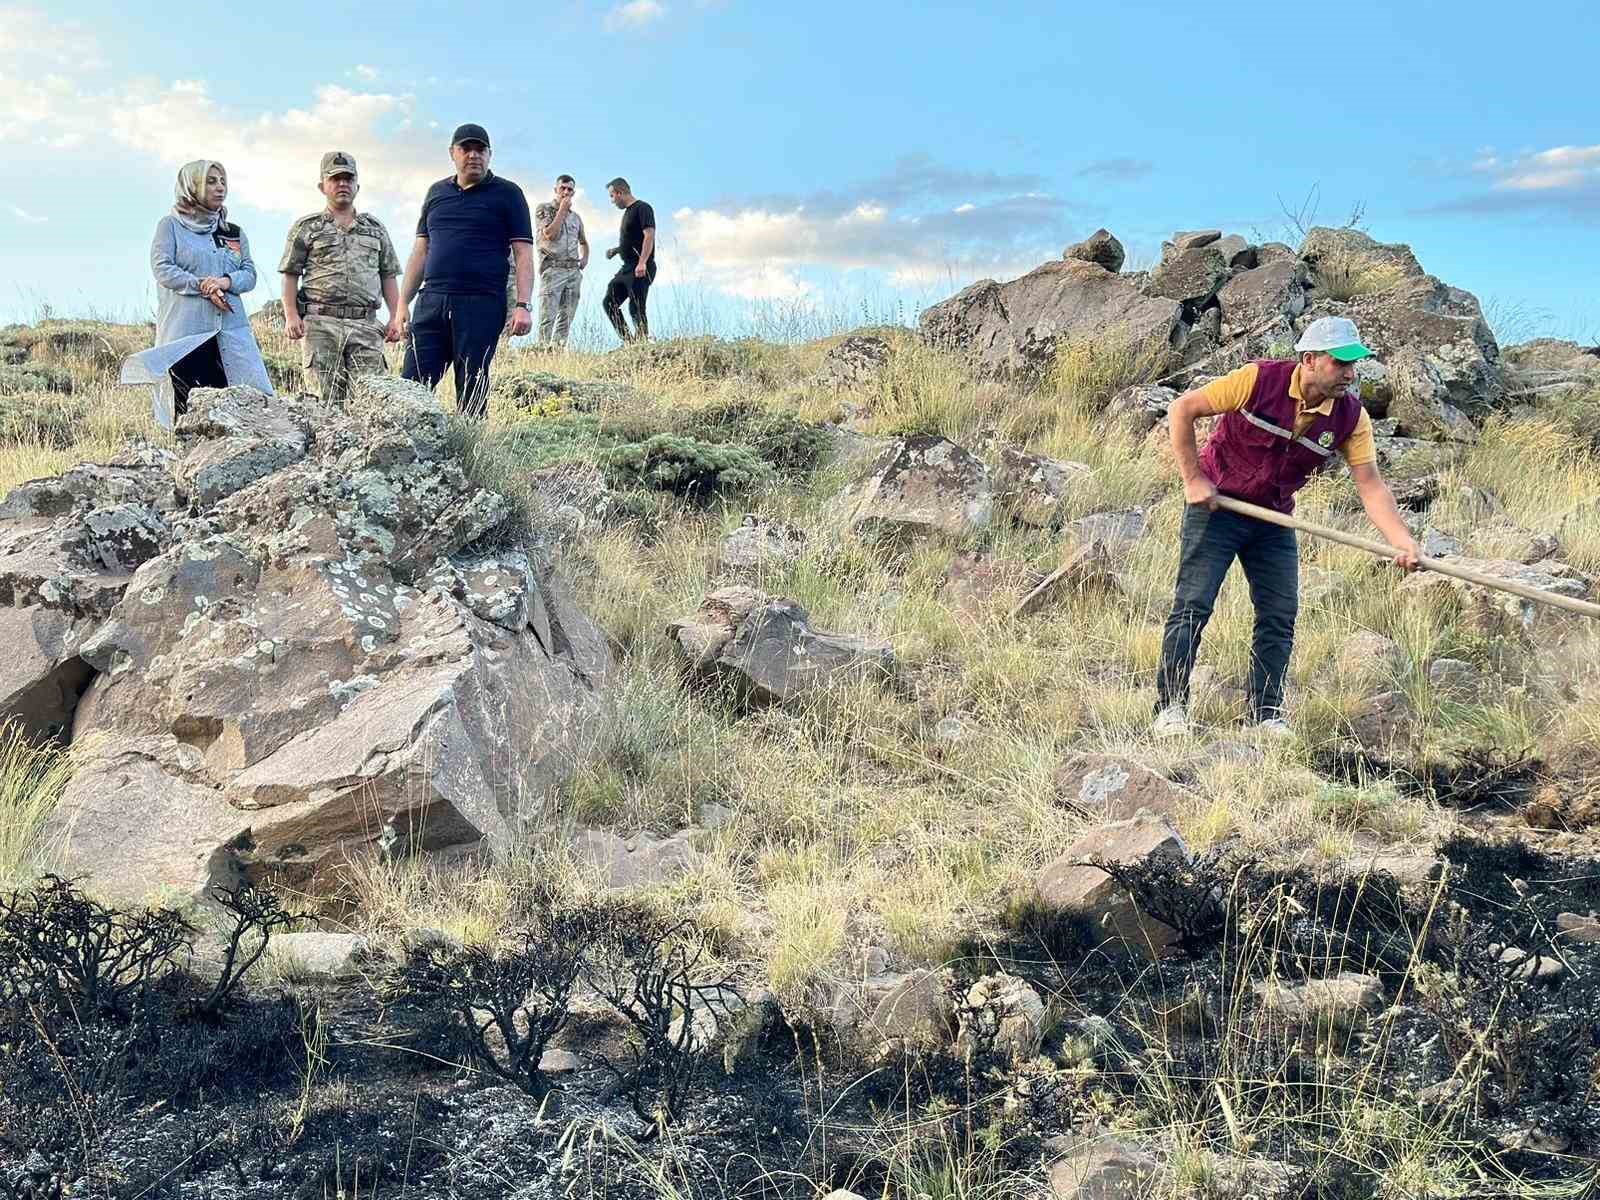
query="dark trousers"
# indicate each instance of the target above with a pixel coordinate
(1271, 560)
(451, 329)
(625, 285)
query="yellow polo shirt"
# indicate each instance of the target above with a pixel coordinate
(1229, 394)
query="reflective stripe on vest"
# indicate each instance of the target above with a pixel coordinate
(1286, 435)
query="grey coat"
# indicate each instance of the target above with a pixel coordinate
(180, 259)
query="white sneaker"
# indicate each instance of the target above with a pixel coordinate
(1171, 722)
(1276, 727)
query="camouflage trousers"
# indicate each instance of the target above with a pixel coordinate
(337, 348)
(558, 301)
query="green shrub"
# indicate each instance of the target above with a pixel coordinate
(34, 377)
(686, 466)
(48, 418)
(790, 445)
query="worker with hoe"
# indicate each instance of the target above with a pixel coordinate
(1282, 422)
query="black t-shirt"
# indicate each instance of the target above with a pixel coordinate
(470, 231)
(636, 218)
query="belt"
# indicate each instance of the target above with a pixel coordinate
(348, 312)
(561, 262)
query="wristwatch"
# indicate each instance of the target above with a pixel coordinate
(525, 304)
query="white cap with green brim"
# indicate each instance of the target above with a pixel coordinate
(1334, 336)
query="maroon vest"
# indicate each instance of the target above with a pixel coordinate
(1254, 454)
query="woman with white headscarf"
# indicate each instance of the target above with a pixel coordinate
(203, 265)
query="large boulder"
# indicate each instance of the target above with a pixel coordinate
(1073, 883)
(1100, 247)
(1031, 487)
(327, 662)
(765, 649)
(1264, 301)
(1016, 328)
(918, 486)
(1192, 276)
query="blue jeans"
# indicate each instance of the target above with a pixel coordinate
(1271, 560)
(459, 330)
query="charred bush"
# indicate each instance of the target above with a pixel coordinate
(253, 915)
(1468, 779)
(59, 949)
(1496, 1015)
(98, 1014)
(498, 1007)
(1190, 897)
(655, 972)
(1307, 925)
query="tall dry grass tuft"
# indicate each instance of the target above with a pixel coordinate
(1344, 273)
(32, 777)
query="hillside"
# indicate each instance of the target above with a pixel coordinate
(764, 767)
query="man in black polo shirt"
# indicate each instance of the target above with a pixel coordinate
(638, 249)
(468, 223)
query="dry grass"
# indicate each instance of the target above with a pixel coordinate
(853, 822)
(31, 780)
(1344, 273)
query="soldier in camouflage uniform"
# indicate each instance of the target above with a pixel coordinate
(563, 254)
(336, 266)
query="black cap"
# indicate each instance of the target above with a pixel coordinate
(469, 133)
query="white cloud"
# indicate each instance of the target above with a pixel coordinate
(1565, 178)
(271, 157)
(635, 14)
(26, 217)
(364, 73)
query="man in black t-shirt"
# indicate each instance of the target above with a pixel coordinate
(469, 222)
(637, 246)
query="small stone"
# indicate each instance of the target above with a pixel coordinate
(1541, 968)
(319, 957)
(1105, 1169)
(1579, 928)
(559, 1062)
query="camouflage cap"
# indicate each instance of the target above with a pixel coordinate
(337, 162)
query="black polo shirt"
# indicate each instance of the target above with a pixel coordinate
(470, 231)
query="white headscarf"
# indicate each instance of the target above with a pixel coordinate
(190, 193)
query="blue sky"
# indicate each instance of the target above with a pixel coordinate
(826, 158)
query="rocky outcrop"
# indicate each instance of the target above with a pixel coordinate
(764, 648)
(1397, 306)
(318, 660)
(918, 486)
(1016, 328)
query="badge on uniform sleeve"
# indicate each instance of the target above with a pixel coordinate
(1326, 439)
